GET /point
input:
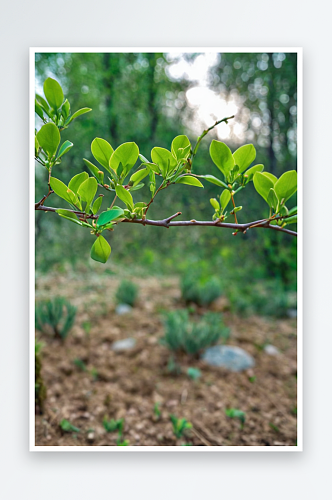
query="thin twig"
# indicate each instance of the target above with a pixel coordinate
(113, 201)
(206, 132)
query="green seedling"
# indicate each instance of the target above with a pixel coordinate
(157, 411)
(86, 325)
(79, 363)
(66, 426)
(235, 413)
(120, 442)
(94, 374)
(274, 427)
(180, 425)
(252, 379)
(194, 373)
(114, 425)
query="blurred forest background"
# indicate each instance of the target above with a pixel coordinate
(150, 98)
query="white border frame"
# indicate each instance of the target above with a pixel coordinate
(182, 449)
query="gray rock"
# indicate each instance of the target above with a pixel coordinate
(123, 309)
(232, 358)
(124, 344)
(271, 350)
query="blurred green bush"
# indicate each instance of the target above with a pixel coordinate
(201, 291)
(127, 293)
(182, 335)
(58, 313)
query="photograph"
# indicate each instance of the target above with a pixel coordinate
(165, 264)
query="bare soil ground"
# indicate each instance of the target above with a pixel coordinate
(128, 384)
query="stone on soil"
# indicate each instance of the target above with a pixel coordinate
(232, 358)
(123, 309)
(271, 350)
(124, 344)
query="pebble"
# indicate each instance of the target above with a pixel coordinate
(232, 358)
(124, 344)
(91, 437)
(271, 350)
(123, 309)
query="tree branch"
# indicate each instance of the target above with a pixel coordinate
(168, 222)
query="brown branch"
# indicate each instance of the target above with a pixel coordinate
(168, 222)
(52, 209)
(41, 202)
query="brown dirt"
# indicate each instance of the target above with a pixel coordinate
(128, 384)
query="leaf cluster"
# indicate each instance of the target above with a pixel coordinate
(116, 171)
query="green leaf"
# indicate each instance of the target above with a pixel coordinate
(49, 138)
(137, 187)
(53, 93)
(65, 147)
(244, 156)
(138, 176)
(125, 196)
(66, 214)
(292, 211)
(95, 171)
(164, 159)
(272, 199)
(153, 167)
(36, 146)
(224, 199)
(272, 177)
(108, 216)
(102, 151)
(63, 191)
(143, 159)
(181, 147)
(191, 181)
(127, 155)
(65, 109)
(213, 180)
(100, 250)
(97, 204)
(286, 185)
(215, 203)
(41, 101)
(291, 220)
(78, 113)
(236, 209)
(222, 157)
(39, 110)
(251, 171)
(263, 184)
(87, 190)
(77, 180)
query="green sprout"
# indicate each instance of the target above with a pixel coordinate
(180, 425)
